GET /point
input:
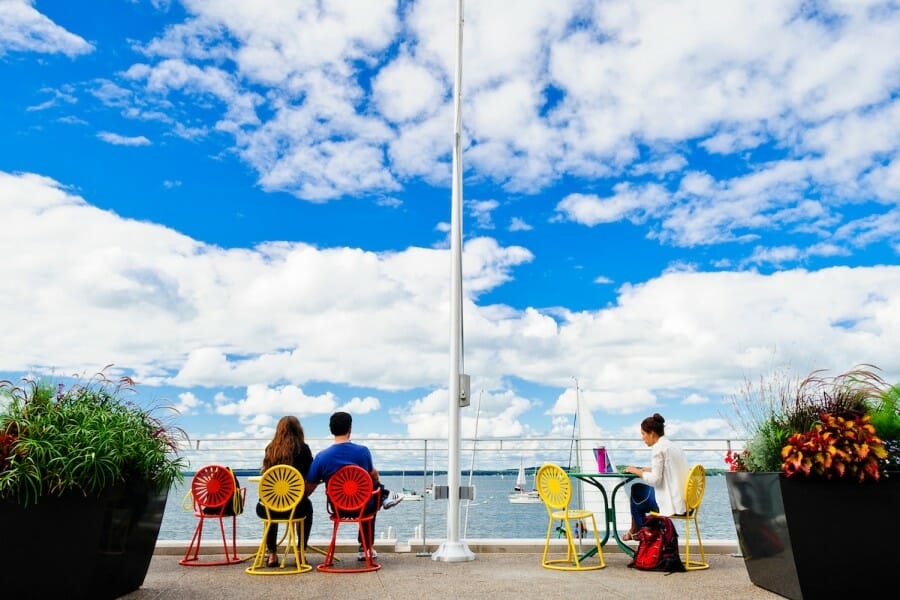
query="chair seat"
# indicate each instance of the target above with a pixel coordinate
(572, 515)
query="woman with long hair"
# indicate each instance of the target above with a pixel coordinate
(288, 447)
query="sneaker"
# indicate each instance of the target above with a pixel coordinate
(361, 555)
(393, 499)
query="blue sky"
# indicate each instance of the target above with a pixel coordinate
(245, 205)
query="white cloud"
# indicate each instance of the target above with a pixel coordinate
(695, 399)
(662, 167)
(481, 212)
(288, 399)
(187, 403)
(361, 406)
(499, 415)
(24, 29)
(63, 94)
(405, 91)
(123, 140)
(519, 224)
(776, 256)
(628, 203)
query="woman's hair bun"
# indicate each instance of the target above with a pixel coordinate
(658, 417)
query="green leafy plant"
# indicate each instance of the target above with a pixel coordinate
(85, 438)
(805, 425)
(760, 407)
(886, 414)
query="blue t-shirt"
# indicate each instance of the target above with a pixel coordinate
(328, 461)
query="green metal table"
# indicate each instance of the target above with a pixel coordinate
(609, 504)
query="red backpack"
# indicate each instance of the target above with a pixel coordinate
(658, 547)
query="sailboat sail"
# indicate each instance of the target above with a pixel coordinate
(589, 435)
(520, 479)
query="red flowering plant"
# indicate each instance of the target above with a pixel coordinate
(736, 461)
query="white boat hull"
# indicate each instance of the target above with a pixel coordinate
(525, 498)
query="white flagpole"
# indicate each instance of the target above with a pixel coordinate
(454, 550)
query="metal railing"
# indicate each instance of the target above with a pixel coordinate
(420, 455)
(423, 463)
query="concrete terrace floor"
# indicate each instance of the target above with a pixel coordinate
(499, 571)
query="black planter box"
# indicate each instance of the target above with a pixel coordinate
(817, 539)
(87, 547)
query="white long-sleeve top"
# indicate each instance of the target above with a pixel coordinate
(668, 475)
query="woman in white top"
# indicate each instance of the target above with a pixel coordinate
(662, 487)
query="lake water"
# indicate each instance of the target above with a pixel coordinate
(490, 515)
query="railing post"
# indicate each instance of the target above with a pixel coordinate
(424, 551)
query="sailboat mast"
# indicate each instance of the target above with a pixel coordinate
(578, 443)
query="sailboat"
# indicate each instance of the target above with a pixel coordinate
(430, 488)
(521, 495)
(409, 495)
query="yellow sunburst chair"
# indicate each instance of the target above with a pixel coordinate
(280, 490)
(555, 489)
(693, 496)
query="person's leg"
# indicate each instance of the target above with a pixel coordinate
(387, 498)
(271, 536)
(368, 527)
(305, 509)
(643, 501)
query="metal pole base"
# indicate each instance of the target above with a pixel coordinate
(453, 552)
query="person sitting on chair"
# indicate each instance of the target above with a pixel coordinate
(344, 452)
(662, 485)
(287, 448)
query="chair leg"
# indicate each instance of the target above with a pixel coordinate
(198, 531)
(687, 543)
(224, 540)
(364, 528)
(260, 559)
(234, 554)
(597, 541)
(544, 562)
(693, 565)
(329, 554)
(571, 551)
(702, 563)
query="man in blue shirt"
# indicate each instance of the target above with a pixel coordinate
(344, 452)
